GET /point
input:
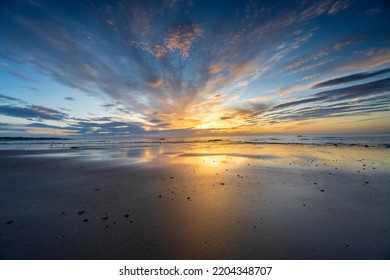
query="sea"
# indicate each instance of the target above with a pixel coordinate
(365, 140)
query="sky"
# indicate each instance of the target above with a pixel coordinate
(193, 68)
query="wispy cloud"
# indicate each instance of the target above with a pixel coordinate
(367, 89)
(34, 112)
(289, 90)
(370, 62)
(340, 45)
(351, 78)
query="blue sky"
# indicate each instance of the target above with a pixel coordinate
(185, 68)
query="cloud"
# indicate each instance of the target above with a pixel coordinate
(107, 128)
(33, 111)
(247, 112)
(69, 98)
(43, 125)
(337, 7)
(308, 61)
(367, 89)
(4, 99)
(179, 39)
(373, 52)
(183, 38)
(216, 67)
(289, 90)
(351, 78)
(370, 62)
(340, 45)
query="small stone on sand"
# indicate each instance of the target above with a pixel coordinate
(9, 222)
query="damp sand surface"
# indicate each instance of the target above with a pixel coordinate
(195, 201)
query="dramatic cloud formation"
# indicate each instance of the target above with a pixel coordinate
(351, 78)
(149, 67)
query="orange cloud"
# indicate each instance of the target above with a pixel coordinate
(289, 90)
(370, 62)
(183, 39)
(216, 68)
(243, 68)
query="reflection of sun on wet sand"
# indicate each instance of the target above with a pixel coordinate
(195, 201)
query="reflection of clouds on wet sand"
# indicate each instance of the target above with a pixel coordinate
(196, 201)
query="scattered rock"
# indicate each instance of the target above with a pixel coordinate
(9, 222)
(222, 184)
(127, 215)
(85, 220)
(81, 212)
(160, 196)
(188, 198)
(322, 190)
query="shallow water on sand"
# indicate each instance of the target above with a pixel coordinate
(206, 200)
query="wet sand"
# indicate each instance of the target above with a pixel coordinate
(195, 201)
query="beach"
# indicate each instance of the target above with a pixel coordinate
(206, 200)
